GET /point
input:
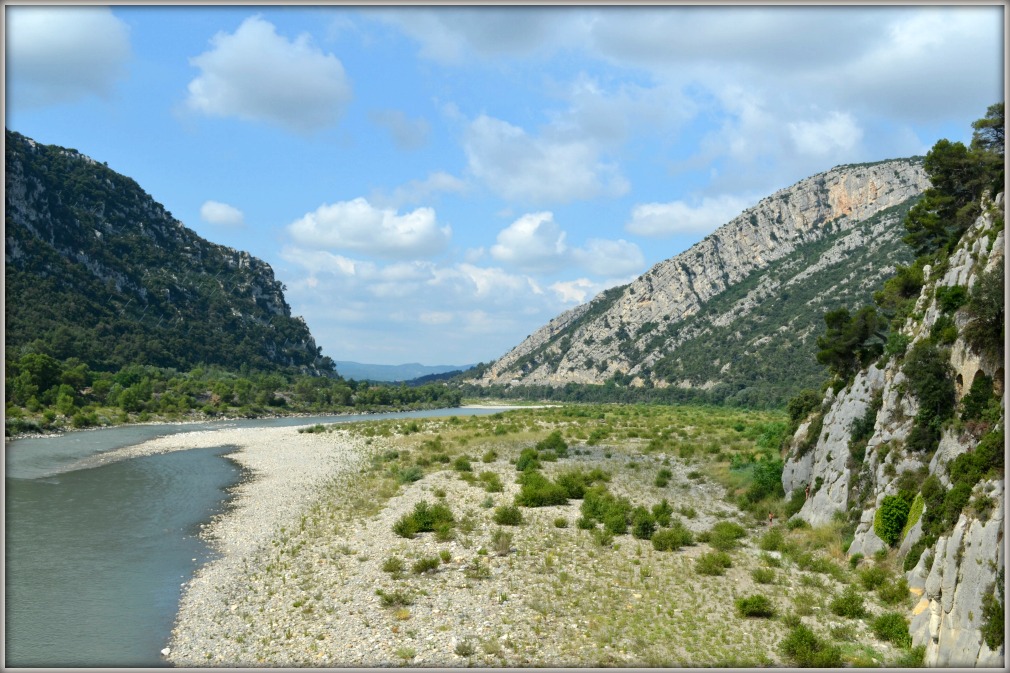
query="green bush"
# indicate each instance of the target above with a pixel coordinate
(713, 563)
(393, 565)
(585, 523)
(643, 524)
(539, 491)
(553, 442)
(849, 604)
(763, 575)
(755, 606)
(528, 460)
(492, 482)
(949, 299)
(507, 515)
(773, 540)
(425, 564)
(893, 593)
(804, 649)
(462, 464)
(673, 538)
(767, 480)
(873, 577)
(408, 475)
(561, 522)
(603, 537)
(663, 477)
(890, 519)
(406, 526)
(662, 513)
(489, 456)
(574, 482)
(893, 628)
(394, 598)
(501, 542)
(994, 614)
(725, 535)
(974, 404)
(985, 329)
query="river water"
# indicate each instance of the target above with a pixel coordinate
(96, 558)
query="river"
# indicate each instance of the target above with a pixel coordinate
(96, 558)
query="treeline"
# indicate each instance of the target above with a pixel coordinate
(43, 393)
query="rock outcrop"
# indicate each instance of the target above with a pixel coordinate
(954, 574)
(635, 332)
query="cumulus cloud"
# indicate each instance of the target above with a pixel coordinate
(215, 212)
(534, 242)
(361, 227)
(257, 75)
(531, 169)
(610, 258)
(678, 217)
(837, 131)
(408, 134)
(64, 54)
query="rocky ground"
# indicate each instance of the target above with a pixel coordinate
(306, 548)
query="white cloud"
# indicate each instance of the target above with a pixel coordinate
(361, 227)
(530, 169)
(215, 212)
(837, 131)
(610, 258)
(418, 191)
(257, 75)
(534, 242)
(408, 134)
(574, 291)
(63, 54)
(678, 217)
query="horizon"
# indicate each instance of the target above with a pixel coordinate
(433, 189)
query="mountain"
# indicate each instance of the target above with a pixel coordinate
(406, 372)
(98, 270)
(909, 452)
(736, 316)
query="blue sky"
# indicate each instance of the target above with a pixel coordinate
(433, 184)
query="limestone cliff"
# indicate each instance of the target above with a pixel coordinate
(638, 332)
(952, 575)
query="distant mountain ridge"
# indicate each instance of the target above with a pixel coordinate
(406, 372)
(704, 319)
(97, 269)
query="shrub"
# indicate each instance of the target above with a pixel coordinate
(539, 491)
(713, 563)
(673, 538)
(408, 475)
(585, 523)
(501, 542)
(462, 464)
(603, 537)
(755, 606)
(890, 519)
(528, 460)
(507, 515)
(975, 402)
(949, 299)
(763, 575)
(984, 332)
(428, 516)
(767, 480)
(553, 442)
(616, 522)
(805, 649)
(489, 456)
(795, 503)
(913, 658)
(993, 614)
(444, 531)
(662, 512)
(561, 522)
(394, 598)
(406, 526)
(393, 565)
(894, 593)
(492, 482)
(773, 540)
(445, 555)
(423, 565)
(477, 570)
(849, 604)
(663, 477)
(724, 535)
(643, 524)
(893, 628)
(873, 577)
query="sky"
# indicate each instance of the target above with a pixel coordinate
(434, 184)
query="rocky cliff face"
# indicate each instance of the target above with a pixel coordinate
(953, 575)
(93, 263)
(636, 332)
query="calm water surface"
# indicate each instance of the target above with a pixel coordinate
(96, 558)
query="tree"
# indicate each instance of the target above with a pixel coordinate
(988, 135)
(985, 332)
(850, 341)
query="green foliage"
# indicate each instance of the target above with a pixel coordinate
(528, 460)
(501, 542)
(755, 606)
(462, 464)
(763, 575)
(894, 592)
(725, 535)
(492, 482)
(426, 564)
(804, 649)
(393, 565)
(507, 515)
(766, 480)
(663, 477)
(662, 513)
(553, 442)
(950, 298)
(985, 331)
(873, 577)
(643, 523)
(890, 519)
(994, 613)
(425, 518)
(539, 491)
(851, 341)
(713, 563)
(800, 406)
(976, 402)
(672, 538)
(395, 598)
(893, 628)
(849, 604)
(930, 380)
(599, 504)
